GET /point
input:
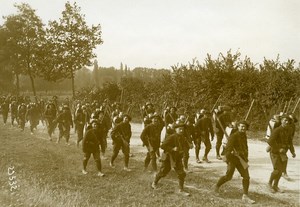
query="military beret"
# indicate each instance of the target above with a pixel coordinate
(245, 123)
(127, 115)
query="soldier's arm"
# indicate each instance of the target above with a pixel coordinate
(272, 141)
(168, 144)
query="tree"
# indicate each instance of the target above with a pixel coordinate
(96, 74)
(25, 38)
(72, 44)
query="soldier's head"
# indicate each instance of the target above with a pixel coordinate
(182, 118)
(126, 118)
(173, 109)
(94, 124)
(285, 120)
(243, 126)
(179, 127)
(155, 119)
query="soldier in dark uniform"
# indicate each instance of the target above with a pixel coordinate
(14, 112)
(280, 142)
(237, 158)
(64, 120)
(204, 128)
(104, 127)
(224, 121)
(173, 147)
(50, 115)
(121, 135)
(33, 116)
(90, 145)
(150, 137)
(5, 110)
(79, 120)
(22, 109)
(292, 130)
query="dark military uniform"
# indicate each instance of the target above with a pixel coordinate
(64, 120)
(172, 159)
(203, 128)
(224, 121)
(50, 115)
(90, 145)
(22, 109)
(5, 110)
(280, 142)
(151, 137)
(33, 116)
(121, 135)
(237, 146)
(13, 112)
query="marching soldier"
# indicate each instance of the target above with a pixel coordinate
(237, 158)
(150, 137)
(204, 128)
(22, 109)
(280, 142)
(13, 112)
(80, 121)
(173, 147)
(50, 115)
(64, 120)
(5, 110)
(224, 121)
(121, 135)
(292, 130)
(90, 145)
(33, 116)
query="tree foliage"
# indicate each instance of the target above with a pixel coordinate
(23, 45)
(72, 43)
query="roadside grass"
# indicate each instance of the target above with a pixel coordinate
(49, 174)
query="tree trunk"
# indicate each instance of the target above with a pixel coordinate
(73, 84)
(18, 85)
(33, 87)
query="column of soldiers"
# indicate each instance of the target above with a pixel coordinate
(184, 131)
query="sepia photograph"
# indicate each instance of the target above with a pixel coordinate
(137, 103)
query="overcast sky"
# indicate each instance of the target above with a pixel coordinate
(162, 33)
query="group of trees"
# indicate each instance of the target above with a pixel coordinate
(273, 84)
(53, 52)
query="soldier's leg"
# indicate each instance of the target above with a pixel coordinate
(86, 158)
(126, 151)
(207, 148)
(116, 149)
(164, 169)
(180, 174)
(153, 160)
(67, 134)
(219, 143)
(228, 175)
(277, 171)
(186, 157)
(147, 161)
(97, 159)
(79, 131)
(246, 178)
(197, 143)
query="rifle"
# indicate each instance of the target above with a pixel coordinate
(288, 106)
(215, 103)
(285, 105)
(249, 109)
(242, 161)
(296, 106)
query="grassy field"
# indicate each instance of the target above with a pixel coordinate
(49, 174)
